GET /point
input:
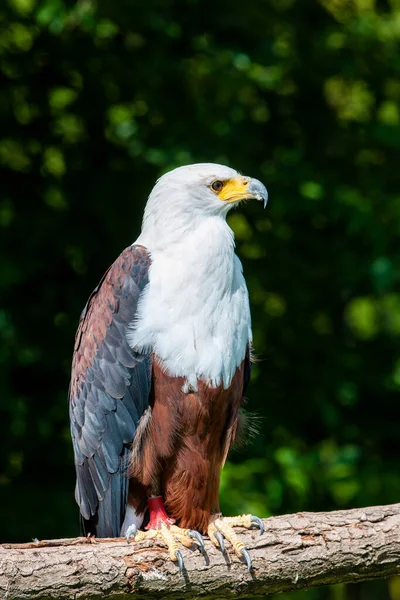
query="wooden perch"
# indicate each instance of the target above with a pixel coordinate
(296, 552)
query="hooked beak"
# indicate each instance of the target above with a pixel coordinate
(258, 191)
(243, 188)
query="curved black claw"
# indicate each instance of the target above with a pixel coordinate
(131, 532)
(247, 558)
(258, 522)
(179, 559)
(220, 540)
(195, 535)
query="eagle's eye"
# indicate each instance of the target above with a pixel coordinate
(217, 186)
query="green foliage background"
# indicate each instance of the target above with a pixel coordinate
(96, 101)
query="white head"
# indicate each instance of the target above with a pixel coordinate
(187, 195)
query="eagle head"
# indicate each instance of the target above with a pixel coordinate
(187, 195)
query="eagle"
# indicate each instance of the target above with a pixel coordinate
(161, 363)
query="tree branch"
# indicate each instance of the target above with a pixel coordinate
(296, 552)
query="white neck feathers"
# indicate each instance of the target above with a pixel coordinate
(194, 313)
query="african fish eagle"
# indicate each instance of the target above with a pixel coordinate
(160, 366)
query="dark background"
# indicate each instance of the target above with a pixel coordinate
(96, 102)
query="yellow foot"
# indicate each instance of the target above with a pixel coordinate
(222, 527)
(171, 535)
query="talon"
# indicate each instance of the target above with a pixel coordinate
(247, 558)
(220, 540)
(179, 559)
(196, 536)
(258, 522)
(131, 532)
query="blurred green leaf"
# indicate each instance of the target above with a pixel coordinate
(53, 161)
(362, 316)
(61, 97)
(23, 7)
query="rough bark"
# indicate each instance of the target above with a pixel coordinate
(296, 551)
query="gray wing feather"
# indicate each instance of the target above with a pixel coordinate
(110, 389)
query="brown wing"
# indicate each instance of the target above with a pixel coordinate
(109, 391)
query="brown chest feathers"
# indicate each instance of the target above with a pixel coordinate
(182, 442)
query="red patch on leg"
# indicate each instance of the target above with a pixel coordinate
(158, 515)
